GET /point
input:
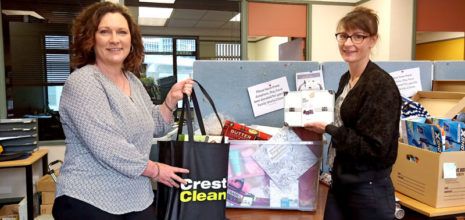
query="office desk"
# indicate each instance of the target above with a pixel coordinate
(269, 214)
(27, 163)
(428, 210)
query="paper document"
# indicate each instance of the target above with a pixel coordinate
(309, 81)
(408, 81)
(269, 96)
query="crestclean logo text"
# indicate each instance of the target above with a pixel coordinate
(189, 191)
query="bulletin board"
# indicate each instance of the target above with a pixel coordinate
(449, 70)
(227, 83)
(332, 71)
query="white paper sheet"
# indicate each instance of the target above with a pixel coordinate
(283, 159)
(408, 81)
(269, 96)
(309, 81)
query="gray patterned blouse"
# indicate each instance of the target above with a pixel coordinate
(108, 141)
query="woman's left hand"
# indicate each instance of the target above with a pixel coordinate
(177, 90)
(317, 127)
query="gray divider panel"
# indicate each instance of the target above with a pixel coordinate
(426, 70)
(227, 83)
(332, 71)
(449, 70)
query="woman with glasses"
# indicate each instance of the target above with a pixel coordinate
(364, 135)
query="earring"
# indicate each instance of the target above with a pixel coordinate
(132, 48)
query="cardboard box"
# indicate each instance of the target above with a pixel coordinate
(46, 183)
(46, 209)
(419, 174)
(441, 104)
(9, 212)
(449, 85)
(48, 198)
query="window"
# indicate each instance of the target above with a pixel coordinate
(228, 51)
(169, 60)
(185, 56)
(158, 57)
(57, 66)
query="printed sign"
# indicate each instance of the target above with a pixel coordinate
(269, 96)
(408, 81)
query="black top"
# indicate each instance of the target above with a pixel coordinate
(366, 143)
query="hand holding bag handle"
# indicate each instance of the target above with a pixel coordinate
(186, 107)
(205, 161)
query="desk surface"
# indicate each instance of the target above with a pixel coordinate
(426, 209)
(25, 162)
(268, 214)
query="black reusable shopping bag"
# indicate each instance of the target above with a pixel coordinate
(204, 197)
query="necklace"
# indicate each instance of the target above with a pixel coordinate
(353, 81)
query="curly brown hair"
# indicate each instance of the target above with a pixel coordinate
(85, 26)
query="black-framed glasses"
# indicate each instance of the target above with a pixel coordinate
(356, 38)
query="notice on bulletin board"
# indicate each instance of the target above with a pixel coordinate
(408, 81)
(269, 96)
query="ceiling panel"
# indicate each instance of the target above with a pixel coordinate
(181, 23)
(209, 24)
(218, 16)
(218, 5)
(187, 14)
(231, 25)
(54, 11)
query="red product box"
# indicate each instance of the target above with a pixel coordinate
(236, 131)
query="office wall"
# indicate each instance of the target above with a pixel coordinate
(383, 9)
(324, 22)
(441, 50)
(395, 30)
(268, 48)
(273, 19)
(427, 37)
(444, 15)
(401, 30)
(251, 54)
(206, 50)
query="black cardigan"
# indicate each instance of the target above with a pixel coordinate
(366, 143)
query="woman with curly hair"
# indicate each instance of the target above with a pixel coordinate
(109, 122)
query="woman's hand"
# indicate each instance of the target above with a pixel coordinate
(168, 175)
(176, 92)
(306, 134)
(164, 173)
(317, 127)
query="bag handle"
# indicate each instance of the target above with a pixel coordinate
(186, 107)
(210, 100)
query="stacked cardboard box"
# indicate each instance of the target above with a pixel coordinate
(420, 173)
(46, 186)
(9, 212)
